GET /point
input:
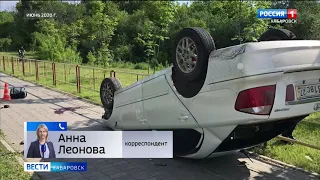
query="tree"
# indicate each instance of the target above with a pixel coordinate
(308, 20)
(6, 22)
(5, 43)
(99, 29)
(101, 32)
(52, 44)
(147, 40)
(23, 26)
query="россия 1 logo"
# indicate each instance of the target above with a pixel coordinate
(278, 15)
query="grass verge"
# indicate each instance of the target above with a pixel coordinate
(307, 131)
(10, 169)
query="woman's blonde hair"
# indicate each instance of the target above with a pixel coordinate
(42, 126)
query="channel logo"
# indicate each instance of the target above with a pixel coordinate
(55, 166)
(277, 13)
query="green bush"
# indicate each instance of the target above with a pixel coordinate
(143, 66)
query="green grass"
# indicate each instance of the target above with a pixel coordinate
(307, 131)
(10, 169)
(28, 55)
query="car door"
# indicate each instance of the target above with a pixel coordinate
(162, 108)
(129, 108)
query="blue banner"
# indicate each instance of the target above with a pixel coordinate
(68, 166)
(55, 166)
(52, 126)
(272, 14)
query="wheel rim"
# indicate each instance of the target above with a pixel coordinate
(107, 93)
(186, 55)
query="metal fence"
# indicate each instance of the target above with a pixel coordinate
(69, 77)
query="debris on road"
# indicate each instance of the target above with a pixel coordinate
(158, 164)
(5, 106)
(18, 93)
(64, 109)
(242, 163)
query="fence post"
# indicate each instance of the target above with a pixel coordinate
(29, 66)
(65, 72)
(114, 73)
(54, 74)
(17, 63)
(4, 64)
(94, 81)
(137, 77)
(37, 70)
(78, 79)
(12, 65)
(23, 67)
(44, 70)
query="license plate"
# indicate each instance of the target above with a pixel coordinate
(307, 91)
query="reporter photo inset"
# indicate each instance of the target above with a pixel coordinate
(37, 139)
(41, 147)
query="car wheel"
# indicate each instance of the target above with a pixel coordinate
(277, 34)
(192, 49)
(107, 89)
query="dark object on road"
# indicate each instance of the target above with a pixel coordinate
(5, 106)
(18, 93)
(62, 110)
(242, 163)
(21, 143)
(160, 164)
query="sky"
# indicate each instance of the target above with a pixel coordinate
(10, 5)
(7, 5)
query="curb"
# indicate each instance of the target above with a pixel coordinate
(283, 164)
(19, 159)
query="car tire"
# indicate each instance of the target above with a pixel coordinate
(202, 43)
(277, 34)
(107, 90)
(189, 82)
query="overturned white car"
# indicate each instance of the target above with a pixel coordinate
(221, 100)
